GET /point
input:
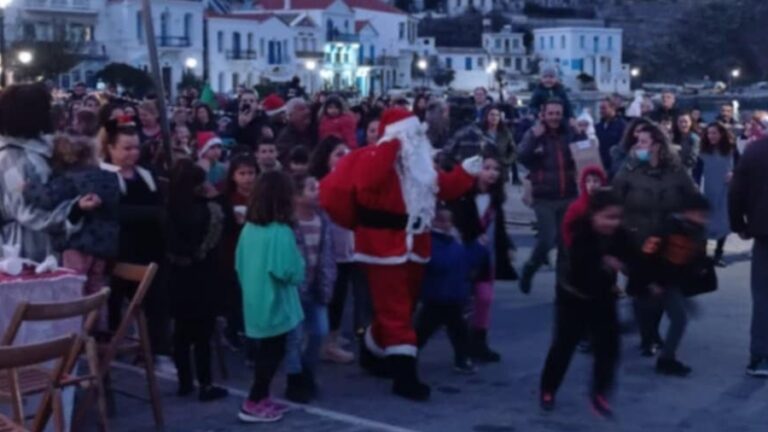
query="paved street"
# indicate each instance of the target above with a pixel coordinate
(717, 397)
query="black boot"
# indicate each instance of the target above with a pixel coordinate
(297, 390)
(309, 382)
(406, 381)
(479, 349)
(376, 366)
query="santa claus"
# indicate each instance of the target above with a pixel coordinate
(387, 194)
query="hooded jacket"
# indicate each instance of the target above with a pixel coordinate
(579, 207)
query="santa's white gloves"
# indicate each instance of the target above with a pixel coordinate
(473, 165)
(48, 265)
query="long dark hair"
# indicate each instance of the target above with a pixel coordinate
(197, 126)
(25, 111)
(677, 134)
(186, 179)
(486, 111)
(239, 161)
(496, 190)
(318, 164)
(272, 199)
(726, 144)
(420, 112)
(628, 140)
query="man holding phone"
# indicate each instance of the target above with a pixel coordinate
(250, 119)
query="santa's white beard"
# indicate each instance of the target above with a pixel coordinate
(418, 179)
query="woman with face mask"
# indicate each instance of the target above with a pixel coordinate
(652, 183)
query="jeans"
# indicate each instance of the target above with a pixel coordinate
(576, 318)
(759, 282)
(269, 352)
(674, 304)
(549, 218)
(315, 326)
(434, 315)
(648, 312)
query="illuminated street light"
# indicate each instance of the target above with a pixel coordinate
(190, 63)
(736, 73)
(422, 65)
(635, 72)
(492, 67)
(25, 57)
(310, 65)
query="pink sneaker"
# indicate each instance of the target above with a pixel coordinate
(278, 407)
(258, 412)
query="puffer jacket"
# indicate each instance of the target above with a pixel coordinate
(542, 94)
(650, 195)
(551, 165)
(320, 279)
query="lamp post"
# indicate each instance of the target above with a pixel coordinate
(3, 4)
(190, 63)
(423, 65)
(310, 66)
(25, 57)
(735, 74)
(634, 74)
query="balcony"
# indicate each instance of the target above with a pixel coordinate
(241, 55)
(71, 6)
(174, 41)
(315, 55)
(343, 37)
(380, 61)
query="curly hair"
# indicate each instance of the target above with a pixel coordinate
(726, 144)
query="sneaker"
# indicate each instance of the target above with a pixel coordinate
(547, 401)
(277, 406)
(212, 393)
(601, 406)
(758, 368)
(258, 412)
(165, 365)
(336, 354)
(464, 367)
(672, 367)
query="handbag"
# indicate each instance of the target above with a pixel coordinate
(704, 280)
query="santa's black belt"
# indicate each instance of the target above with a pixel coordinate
(380, 219)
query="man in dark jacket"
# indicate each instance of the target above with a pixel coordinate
(748, 207)
(297, 131)
(546, 153)
(609, 131)
(550, 88)
(668, 108)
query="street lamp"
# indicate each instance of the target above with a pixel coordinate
(25, 57)
(190, 63)
(736, 73)
(635, 72)
(310, 65)
(3, 4)
(423, 65)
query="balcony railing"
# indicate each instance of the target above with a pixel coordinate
(310, 54)
(380, 61)
(343, 37)
(174, 41)
(241, 55)
(62, 5)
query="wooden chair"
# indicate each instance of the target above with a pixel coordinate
(120, 342)
(15, 358)
(33, 380)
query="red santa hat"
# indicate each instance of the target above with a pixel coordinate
(395, 116)
(206, 141)
(273, 104)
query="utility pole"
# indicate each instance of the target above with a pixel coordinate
(157, 77)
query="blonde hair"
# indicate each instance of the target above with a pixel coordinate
(150, 107)
(72, 151)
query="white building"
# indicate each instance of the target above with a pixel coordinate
(76, 21)
(458, 7)
(594, 51)
(249, 48)
(178, 28)
(507, 50)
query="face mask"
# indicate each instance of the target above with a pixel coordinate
(643, 155)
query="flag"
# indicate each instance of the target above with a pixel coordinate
(208, 97)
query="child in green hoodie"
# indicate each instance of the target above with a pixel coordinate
(270, 268)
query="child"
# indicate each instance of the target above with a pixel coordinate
(299, 161)
(209, 156)
(587, 301)
(76, 173)
(446, 289)
(550, 88)
(266, 157)
(270, 268)
(335, 120)
(592, 178)
(236, 195)
(480, 217)
(194, 229)
(313, 234)
(671, 260)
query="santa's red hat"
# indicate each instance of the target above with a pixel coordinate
(273, 104)
(206, 141)
(395, 115)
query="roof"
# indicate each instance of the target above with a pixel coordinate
(374, 5)
(460, 50)
(289, 19)
(360, 24)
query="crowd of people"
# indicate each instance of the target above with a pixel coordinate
(263, 218)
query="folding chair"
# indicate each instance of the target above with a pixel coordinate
(15, 358)
(33, 380)
(120, 342)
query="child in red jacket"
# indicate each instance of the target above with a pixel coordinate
(592, 178)
(336, 120)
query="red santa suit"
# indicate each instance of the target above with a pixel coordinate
(387, 193)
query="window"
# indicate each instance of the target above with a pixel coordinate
(582, 42)
(284, 52)
(402, 31)
(551, 42)
(498, 44)
(577, 64)
(507, 62)
(165, 23)
(76, 76)
(235, 80)
(506, 45)
(361, 54)
(262, 48)
(449, 62)
(516, 43)
(468, 63)
(480, 62)
(596, 43)
(139, 28)
(188, 26)
(610, 43)
(220, 41)
(221, 81)
(562, 42)
(250, 42)
(236, 43)
(372, 53)
(518, 64)
(346, 26)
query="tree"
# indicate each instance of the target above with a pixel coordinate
(49, 58)
(132, 79)
(443, 77)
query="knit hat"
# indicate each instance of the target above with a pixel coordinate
(273, 104)
(549, 70)
(391, 116)
(206, 141)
